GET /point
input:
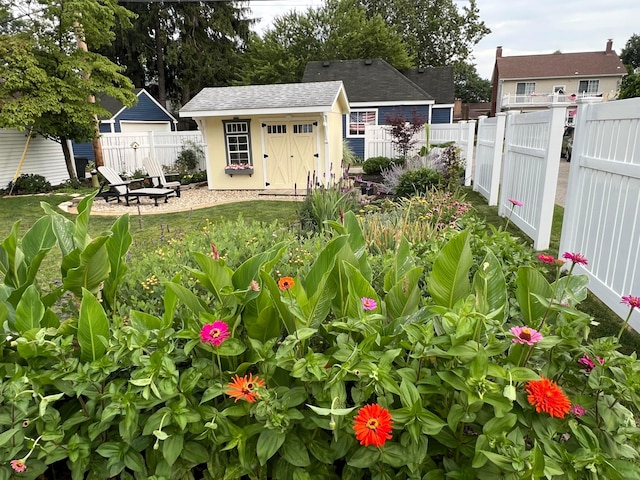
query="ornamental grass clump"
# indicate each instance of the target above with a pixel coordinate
(247, 373)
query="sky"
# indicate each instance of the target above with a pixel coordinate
(523, 27)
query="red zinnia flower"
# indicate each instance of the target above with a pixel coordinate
(633, 302)
(547, 259)
(516, 203)
(18, 465)
(243, 388)
(285, 283)
(214, 333)
(575, 257)
(372, 425)
(548, 397)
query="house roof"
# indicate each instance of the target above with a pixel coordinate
(560, 65)
(265, 99)
(116, 107)
(438, 81)
(368, 81)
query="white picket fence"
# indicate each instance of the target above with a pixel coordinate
(530, 171)
(124, 152)
(602, 213)
(488, 159)
(378, 141)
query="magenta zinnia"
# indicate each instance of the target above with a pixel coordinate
(372, 425)
(516, 203)
(368, 303)
(633, 302)
(575, 258)
(214, 333)
(578, 410)
(525, 335)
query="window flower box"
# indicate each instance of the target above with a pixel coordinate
(239, 169)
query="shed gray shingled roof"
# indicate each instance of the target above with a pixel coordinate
(367, 81)
(264, 97)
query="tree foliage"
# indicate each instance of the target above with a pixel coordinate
(176, 49)
(48, 79)
(470, 87)
(630, 87)
(630, 54)
(436, 32)
(338, 30)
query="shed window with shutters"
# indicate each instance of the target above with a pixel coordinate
(238, 142)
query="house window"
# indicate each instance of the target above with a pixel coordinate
(238, 142)
(303, 128)
(275, 129)
(524, 89)
(358, 120)
(589, 86)
(560, 89)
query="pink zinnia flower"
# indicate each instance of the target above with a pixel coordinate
(546, 259)
(575, 258)
(255, 286)
(516, 203)
(18, 465)
(368, 303)
(633, 302)
(214, 333)
(525, 335)
(578, 410)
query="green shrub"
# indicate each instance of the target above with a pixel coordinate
(325, 204)
(418, 182)
(195, 177)
(375, 165)
(348, 157)
(29, 183)
(189, 157)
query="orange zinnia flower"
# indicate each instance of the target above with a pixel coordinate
(285, 283)
(245, 388)
(548, 397)
(372, 425)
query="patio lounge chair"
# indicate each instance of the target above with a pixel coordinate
(121, 188)
(154, 171)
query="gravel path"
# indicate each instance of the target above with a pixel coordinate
(192, 197)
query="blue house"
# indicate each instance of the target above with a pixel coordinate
(147, 115)
(377, 91)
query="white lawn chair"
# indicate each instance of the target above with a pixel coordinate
(117, 188)
(154, 171)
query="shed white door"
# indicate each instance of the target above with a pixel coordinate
(127, 127)
(291, 153)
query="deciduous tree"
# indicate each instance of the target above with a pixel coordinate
(470, 87)
(338, 30)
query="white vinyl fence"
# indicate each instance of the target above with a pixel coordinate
(124, 152)
(378, 141)
(530, 171)
(602, 214)
(488, 158)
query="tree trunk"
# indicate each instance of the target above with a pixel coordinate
(67, 158)
(162, 87)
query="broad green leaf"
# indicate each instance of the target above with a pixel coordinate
(144, 322)
(269, 442)
(29, 311)
(530, 281)
(81, 231)
(321, 268)
(394, 454)
(295, 452)
(359, 287)
(172, 447)
(498, 426)
(364, 457)
(490, 287)
(404, 297)
(187, 297)
(91, 270)
(63, 228)
(39, 237)
(449, 279)
(403, 264)
(214, 276)
(260, 318)
(284, 314)
(117, 247)
(92, 326)
(409, 395)
(231, 347)
(249, 269)
(572, 288)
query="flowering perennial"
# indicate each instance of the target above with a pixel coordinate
(245, 388)
(575, 258)
(516, 203)
(633, 302)
(589, 364)
(578, 410)
(547, 259)
(372, 425)
(368, 303)
(18, 465)
(214, 333)
(525, 335)
(285, 283)
(548, 397)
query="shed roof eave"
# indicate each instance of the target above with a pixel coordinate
(254, 111)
